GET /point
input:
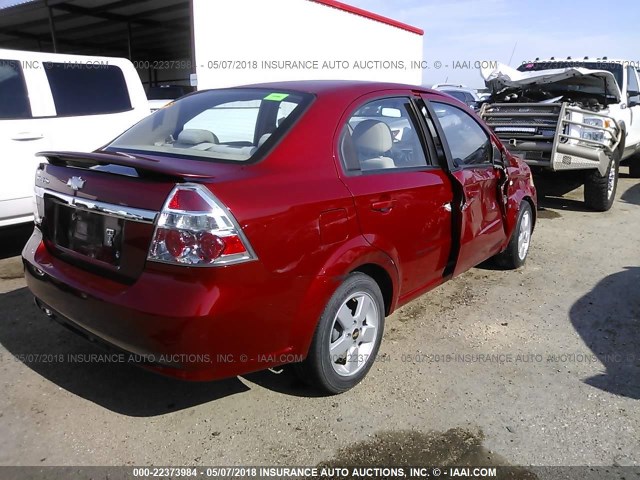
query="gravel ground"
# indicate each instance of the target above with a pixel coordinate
(539, 366)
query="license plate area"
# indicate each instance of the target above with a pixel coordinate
(92, 235)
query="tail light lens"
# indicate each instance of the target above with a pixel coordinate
(195, 228)
(38, 197)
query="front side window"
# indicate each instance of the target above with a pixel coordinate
(14, 100)
(382, 135)
(469, 144)
(230, 125)
(87, 89)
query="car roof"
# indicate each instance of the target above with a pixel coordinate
(320, 87)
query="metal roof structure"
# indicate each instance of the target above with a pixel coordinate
(137, 29)
(146, 31)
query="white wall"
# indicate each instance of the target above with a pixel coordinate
(298, 30)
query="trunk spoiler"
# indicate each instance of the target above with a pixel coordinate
(145, 166)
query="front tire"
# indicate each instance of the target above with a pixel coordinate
(347, 337)
(600, 192)
(515, 255)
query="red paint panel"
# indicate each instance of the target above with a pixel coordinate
(404, 215)
(334, 226)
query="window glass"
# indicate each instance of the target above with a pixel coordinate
(87, 89)
(442, 159)
(633, 82)
(284, 110)
(14, 100)
(382, 135)
(231, 124)
(456, 94)
(468, 142)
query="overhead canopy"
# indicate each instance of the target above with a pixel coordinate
(146, 30)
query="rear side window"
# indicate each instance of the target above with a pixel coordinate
(382, 135)
(87, 89)
(469, 143)
(234, 124)
(14, 100)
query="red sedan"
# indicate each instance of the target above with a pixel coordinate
(241, 229)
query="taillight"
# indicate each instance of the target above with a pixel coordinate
(195, 228)
(38, 197)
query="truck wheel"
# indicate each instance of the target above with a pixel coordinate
(600, 192)
(516, 252)
(347, 337)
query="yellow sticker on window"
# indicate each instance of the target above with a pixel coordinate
(276, 97)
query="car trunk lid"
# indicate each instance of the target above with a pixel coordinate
(98, 210)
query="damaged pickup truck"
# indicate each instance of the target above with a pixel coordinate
(578, 117)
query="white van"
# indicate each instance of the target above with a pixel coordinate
(58, 102)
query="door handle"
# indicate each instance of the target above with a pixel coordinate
(382, 205)
(25, 136)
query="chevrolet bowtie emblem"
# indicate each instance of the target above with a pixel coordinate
(76, 183)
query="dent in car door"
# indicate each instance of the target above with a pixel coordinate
(402, 202)
(470, 152)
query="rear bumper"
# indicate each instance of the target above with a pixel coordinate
(195, 324)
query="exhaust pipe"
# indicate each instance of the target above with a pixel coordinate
(47, 311)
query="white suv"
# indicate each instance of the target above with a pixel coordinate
(58, 102)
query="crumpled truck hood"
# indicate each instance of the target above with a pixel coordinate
(503, 76)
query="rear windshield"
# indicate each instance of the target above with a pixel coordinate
(230, 125)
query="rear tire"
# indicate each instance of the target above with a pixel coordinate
(515, 255)
(347, 338)
(600, 192)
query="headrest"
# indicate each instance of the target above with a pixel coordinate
(195, 136)
(263, 139)
(373, 136)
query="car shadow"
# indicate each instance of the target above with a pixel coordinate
(608, 320)
(52, 351)
(562, 203)
(13, 239)
(489, 264)
(632, 195)
(285, 381)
